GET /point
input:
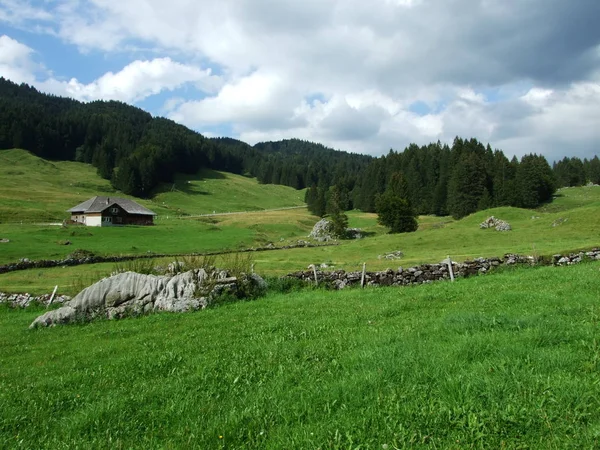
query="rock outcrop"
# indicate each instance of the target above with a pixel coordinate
(132, 294)
(322, 231)
(498, 224)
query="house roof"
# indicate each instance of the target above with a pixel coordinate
(100, 203)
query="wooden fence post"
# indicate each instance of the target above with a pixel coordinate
(362, 280)
(314, 268)
(52, 296)
(449, 261)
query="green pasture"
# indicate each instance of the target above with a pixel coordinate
(570, 222)
(510, 360)
(36, 190)
(220, 192)
(533, 234)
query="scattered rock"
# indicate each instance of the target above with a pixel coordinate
(392, 256)
(4, 241)
(498, 224)
(322, 231)
(559, 221)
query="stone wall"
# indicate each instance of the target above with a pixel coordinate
(427, 273)
(339, 279)
(25, 300)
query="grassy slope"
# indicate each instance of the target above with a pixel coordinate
(33, 190)
(437, 237)
(504, 361)
(36, 190)
(220, 192)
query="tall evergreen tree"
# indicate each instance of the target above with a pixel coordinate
(466, 186)
(339, 219)
(394, 209)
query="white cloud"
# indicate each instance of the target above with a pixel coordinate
(15, 61)
(348, 72)
(260, 99)
(18, 12)
(136, 81)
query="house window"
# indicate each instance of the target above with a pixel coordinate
(114, 210)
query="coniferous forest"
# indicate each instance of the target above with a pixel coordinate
(136, 152)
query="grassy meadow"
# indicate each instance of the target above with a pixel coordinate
(36, 191)
(504, 361)
(510, 360)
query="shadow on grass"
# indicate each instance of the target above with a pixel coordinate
(184, 183)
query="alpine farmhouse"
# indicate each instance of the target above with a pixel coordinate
(109, 211)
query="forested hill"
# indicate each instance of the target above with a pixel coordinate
(137, 151)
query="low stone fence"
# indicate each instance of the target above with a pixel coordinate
(339, 279)
(25, 300)
(427, 273)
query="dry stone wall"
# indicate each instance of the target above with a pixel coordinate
(427, 273)
(340, 279)
(25, 300)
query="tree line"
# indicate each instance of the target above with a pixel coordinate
(137, 152)
(452, 180)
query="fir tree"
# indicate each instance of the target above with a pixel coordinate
(394, 209)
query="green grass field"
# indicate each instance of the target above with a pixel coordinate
(30, 182)
(36, 190)
(510, 360)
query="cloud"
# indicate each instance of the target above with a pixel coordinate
(136, 81)
(347, 73)
(261, 99)
(16, 61)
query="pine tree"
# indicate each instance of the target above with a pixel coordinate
(466, 186)
(339, 220)
(394, 209)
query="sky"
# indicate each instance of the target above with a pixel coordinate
(356, 75)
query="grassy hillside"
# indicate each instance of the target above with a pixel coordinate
(220, 192)
(569, 223)
(35, 190)
(504, 361)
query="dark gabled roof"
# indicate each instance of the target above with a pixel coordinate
(99, 203)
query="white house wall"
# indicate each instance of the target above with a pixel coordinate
(93, 221)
